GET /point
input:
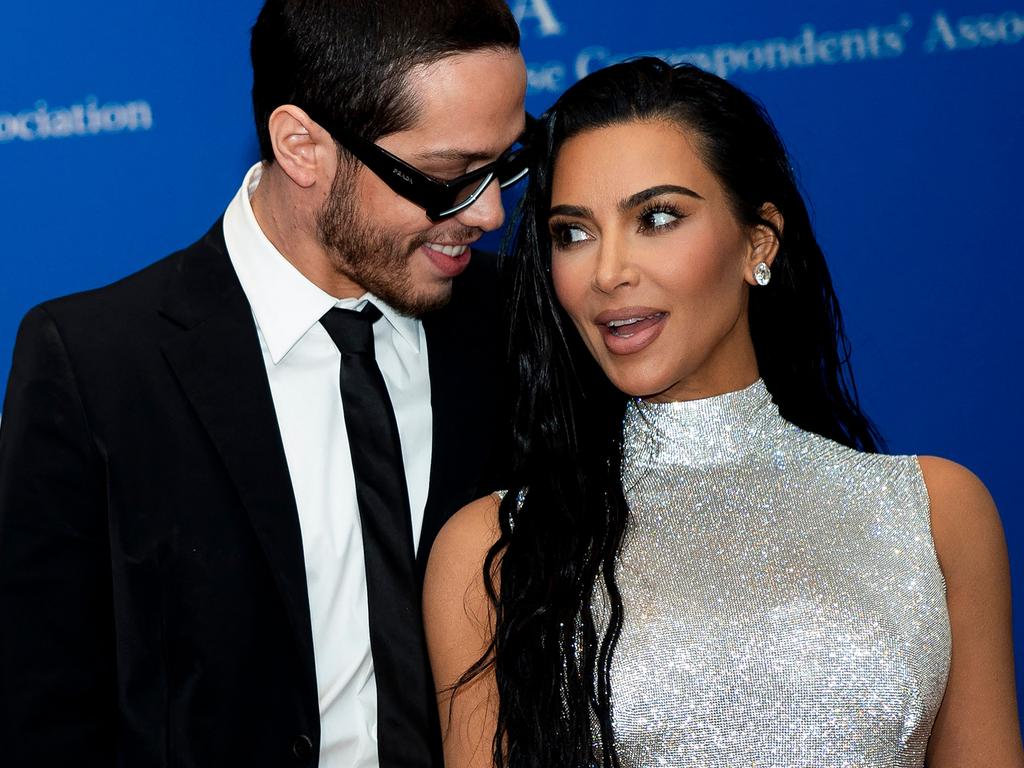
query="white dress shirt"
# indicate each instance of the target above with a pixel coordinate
(303, 365)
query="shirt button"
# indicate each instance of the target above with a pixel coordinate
(302, 747)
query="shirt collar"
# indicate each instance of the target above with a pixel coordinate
(408, 328)
(284, 302)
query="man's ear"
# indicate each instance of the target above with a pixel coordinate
(764, 242)
(301, 146)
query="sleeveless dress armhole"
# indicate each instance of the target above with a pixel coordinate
(519, 505)
(924, 504)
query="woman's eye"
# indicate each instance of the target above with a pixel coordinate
(658, 218)
(566, 235)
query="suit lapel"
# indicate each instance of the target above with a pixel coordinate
(218, 362)
(443, 360)
(462, 349)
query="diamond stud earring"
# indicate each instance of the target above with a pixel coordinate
(762, 273)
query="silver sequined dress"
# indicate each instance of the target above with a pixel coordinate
(783, 605)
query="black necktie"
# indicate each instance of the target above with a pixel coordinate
(404, 691)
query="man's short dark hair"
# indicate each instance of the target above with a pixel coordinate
(345, 61)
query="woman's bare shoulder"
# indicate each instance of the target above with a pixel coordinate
(951, 481)
(455, 565)
(965, 522)
(977, 723)
(470, 531)
(459, 627)
(457, 611)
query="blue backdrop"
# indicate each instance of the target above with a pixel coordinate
(125, 129)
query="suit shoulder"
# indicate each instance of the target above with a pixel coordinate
(112, 307)
(131, 289)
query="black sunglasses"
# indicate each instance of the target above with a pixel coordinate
(440, 199)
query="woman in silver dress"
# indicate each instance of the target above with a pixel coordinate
(703, 559)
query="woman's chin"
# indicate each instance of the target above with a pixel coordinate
(638, 386)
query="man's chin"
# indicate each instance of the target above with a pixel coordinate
(426, 291)
(419, 302)
(437, 298)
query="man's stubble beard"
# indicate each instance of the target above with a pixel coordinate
(371, 257)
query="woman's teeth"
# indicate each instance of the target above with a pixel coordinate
(448, 250)
(623, 327)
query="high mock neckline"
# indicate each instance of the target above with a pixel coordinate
(710, 430)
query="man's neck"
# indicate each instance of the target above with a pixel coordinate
(290, 225)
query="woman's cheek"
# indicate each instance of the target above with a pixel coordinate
(569, 283)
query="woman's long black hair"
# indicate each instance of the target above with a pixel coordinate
(563, 520)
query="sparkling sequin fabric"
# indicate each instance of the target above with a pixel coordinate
(783, 602)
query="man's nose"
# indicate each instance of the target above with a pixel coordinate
(487, 212)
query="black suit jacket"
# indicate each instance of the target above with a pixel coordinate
(153, 604)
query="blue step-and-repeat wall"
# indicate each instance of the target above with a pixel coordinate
(125, 129)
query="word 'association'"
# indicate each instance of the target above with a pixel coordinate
(87, 119)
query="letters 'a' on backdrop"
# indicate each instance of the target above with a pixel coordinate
(125, 129)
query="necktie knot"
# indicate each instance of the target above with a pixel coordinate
(352, 331)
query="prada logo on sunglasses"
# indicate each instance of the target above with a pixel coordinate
(402, 176)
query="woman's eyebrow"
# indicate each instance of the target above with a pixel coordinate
(662, 189)
(579, 211)
(637, 198)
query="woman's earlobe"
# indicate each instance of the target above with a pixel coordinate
(762, 273)
(764, 246)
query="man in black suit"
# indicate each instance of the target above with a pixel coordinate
(220, 477)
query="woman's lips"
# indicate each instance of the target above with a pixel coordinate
(630, 330)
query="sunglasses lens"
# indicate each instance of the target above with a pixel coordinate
(513, 166)
(510, 168)
(460, 198)
(468, 191)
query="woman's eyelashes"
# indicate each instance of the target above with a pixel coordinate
(565, 234)
(652, 219)
(656, 217)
